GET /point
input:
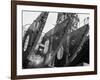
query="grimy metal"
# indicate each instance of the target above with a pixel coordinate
(42, 20)
(35, 31)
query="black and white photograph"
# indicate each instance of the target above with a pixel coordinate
(54, 39)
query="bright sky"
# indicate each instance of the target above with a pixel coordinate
(81, 17)
(29, 17)
(51, 21)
